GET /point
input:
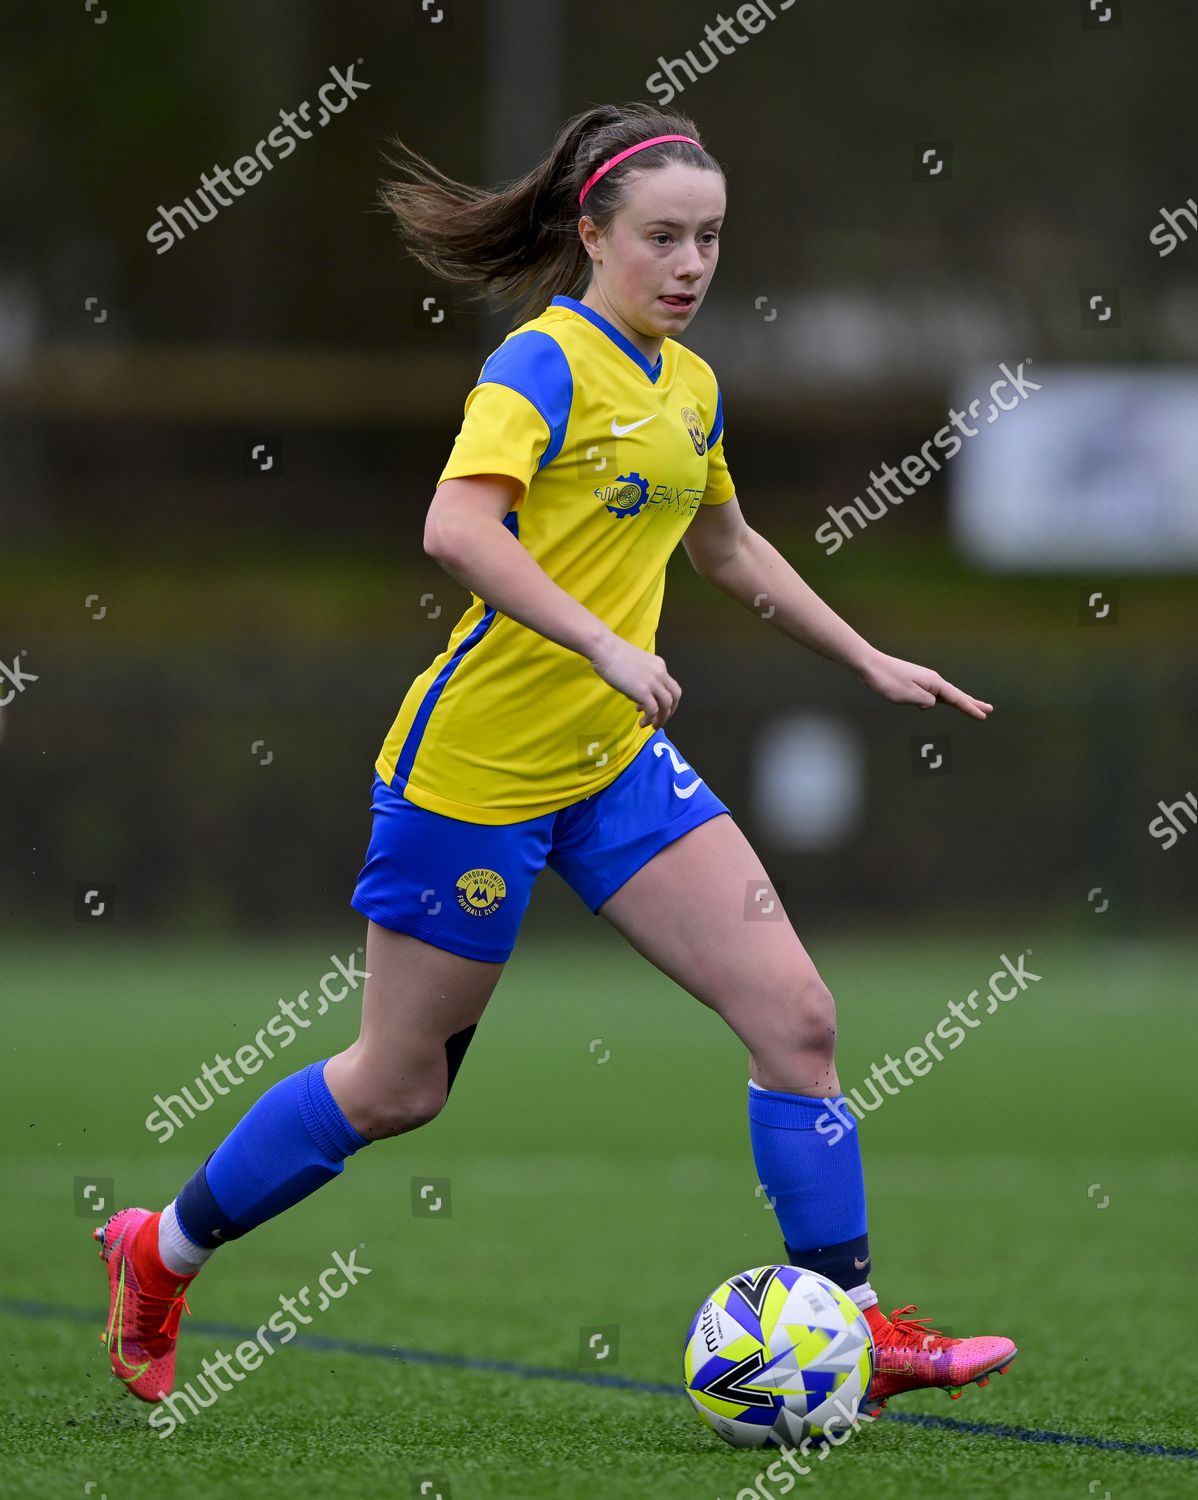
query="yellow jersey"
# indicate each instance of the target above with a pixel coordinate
(615, 455)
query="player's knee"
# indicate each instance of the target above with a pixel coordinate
(809, 1018)
(391, 1112)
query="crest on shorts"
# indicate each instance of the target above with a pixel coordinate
(693, 425)
(480, 891)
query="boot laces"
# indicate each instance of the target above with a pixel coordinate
(911, 1330)
(158, 1340)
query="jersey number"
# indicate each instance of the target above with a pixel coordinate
(663, 748)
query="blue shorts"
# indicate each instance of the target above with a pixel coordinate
(465, 886)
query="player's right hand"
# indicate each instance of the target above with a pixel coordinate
(641, 676)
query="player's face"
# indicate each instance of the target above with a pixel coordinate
(655, 263)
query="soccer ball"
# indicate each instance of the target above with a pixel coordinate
(778, 1354)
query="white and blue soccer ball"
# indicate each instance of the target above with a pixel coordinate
(778, 1354)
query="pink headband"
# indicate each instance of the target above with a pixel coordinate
(620, 155)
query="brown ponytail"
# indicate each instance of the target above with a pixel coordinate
(521, 241)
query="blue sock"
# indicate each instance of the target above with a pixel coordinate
(808, 1160)
(292, 1141)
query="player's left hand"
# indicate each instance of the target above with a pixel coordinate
(906, 682)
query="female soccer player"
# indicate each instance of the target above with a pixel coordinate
(593, 442)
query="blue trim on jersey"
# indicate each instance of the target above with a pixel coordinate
(717, 430)
(613, 333)
(534, 364)
(411, 744)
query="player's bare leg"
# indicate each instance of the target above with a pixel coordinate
(416, 1001)
(420, 1005)
(691, 911)
(685, 911)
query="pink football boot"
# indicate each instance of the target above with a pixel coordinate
(910, 1356)
(146, 1302)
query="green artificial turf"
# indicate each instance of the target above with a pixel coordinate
(1039, 1182)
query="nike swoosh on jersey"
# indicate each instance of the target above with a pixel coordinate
(618, 431)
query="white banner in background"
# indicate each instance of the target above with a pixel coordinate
(1099, 471)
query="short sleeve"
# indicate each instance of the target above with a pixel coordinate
(720, 488)
(516, 415)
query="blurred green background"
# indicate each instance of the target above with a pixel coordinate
(180, 607)
(288, 610)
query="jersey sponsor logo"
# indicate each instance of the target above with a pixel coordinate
(695, 428)
(480, 891)
(663, 747)
(667, 498)
(618, 431)
(627, 496)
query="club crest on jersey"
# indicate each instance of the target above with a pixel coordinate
(626, 496)
(480, 891)
(693, 425)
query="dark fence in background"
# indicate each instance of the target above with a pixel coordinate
(229, 789)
